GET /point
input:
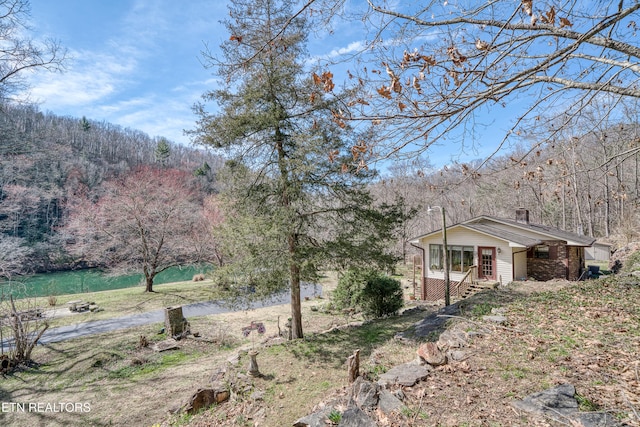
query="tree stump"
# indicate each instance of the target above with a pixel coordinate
(353, 366)
(174, 321)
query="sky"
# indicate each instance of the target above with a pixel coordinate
(137, 63)
(134, 63)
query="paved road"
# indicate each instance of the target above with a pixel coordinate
(190, 310)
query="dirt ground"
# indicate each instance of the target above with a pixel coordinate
(586, 334)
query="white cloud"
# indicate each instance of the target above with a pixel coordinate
(89, 79)
(352, 47)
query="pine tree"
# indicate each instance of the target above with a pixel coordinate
(163, 151)
(295, 197)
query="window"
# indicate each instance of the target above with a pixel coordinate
(435, 257)
(467, 258)
(541, 252)
(460, 258)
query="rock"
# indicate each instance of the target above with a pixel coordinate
(431, 354)
(399, 394)
(165, 345)
(453, 339)
(559, 404)
(317, 419)
(457, 355)
(435, 321)
(218, 375)
(499, 319)
(561, 399)
(355, 417)
(205, 397)
(364, 393)
(257, 395)
(388, 403)
(407, 375)
(234, 359)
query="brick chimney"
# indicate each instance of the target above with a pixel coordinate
(522, 216)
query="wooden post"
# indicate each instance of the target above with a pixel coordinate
(353, 366)
(173, 321)
(253, 364)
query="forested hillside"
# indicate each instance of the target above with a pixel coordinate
(45, 160)
(582, 182)
(585, 183)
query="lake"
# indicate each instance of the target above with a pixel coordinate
(92, 280)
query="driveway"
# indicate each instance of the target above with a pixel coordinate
(157, 316)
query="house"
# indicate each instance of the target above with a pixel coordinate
(599, 251)
(489, 250)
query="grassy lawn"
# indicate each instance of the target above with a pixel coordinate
(121, 302)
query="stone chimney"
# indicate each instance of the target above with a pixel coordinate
(522, 216)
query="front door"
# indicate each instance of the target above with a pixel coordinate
(487, 263)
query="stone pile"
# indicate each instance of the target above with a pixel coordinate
(560, 404)
(368, 404)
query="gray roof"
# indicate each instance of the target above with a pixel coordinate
(573, 239)
(491, 229)
(496, 227)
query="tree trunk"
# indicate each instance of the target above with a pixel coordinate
(296, 310)
(149, 284)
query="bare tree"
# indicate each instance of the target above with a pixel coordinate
(19, 53)
(436, 67)
(13, 256)
(145, 221)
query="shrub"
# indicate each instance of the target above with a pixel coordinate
(369, 291)
(24, 327)
(382, 296)
(348, 293)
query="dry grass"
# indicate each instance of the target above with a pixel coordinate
(587, 334)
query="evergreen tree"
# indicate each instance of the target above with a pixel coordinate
(294, 196)
(163, 151)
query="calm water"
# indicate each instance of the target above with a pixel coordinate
(73, 282)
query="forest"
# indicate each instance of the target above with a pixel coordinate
(49, 162)
(585, 183)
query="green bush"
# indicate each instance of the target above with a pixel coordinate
(348, 293)
(369, 291)
(382, 296)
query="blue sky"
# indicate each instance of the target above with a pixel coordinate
(136, 63)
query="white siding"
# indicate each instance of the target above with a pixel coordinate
(598, 252)
(465, 237)
(520, 261)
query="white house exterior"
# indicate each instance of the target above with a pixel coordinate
(599, 251)
(499, 251)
